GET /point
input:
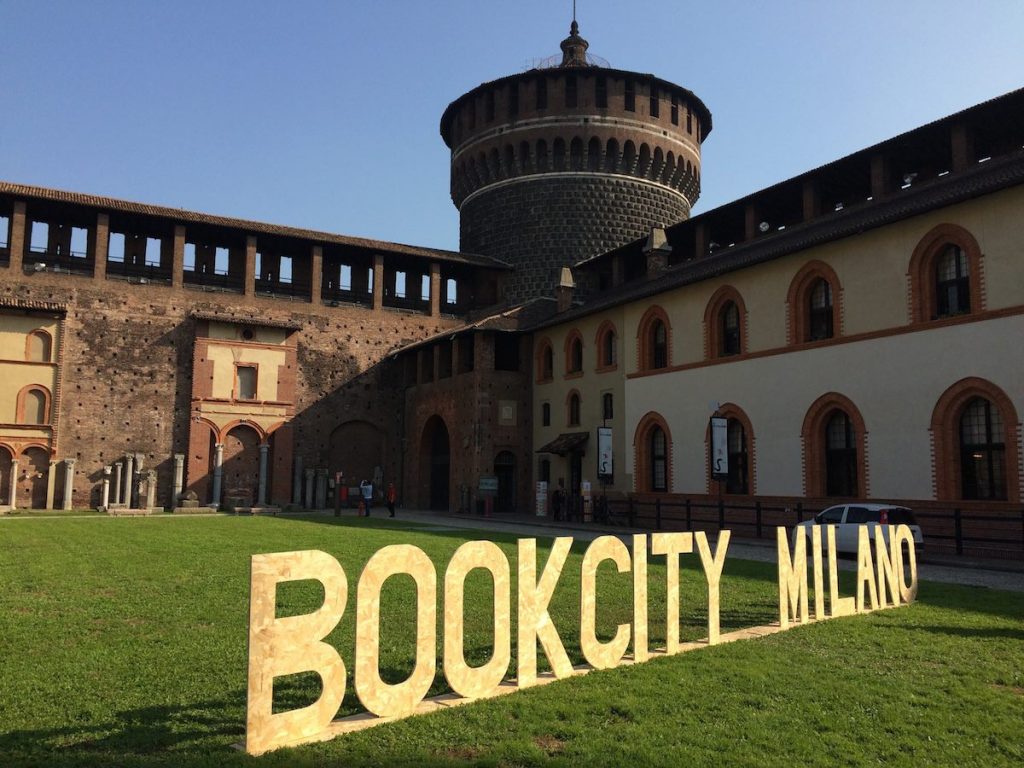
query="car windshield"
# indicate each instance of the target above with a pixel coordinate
(831, 516)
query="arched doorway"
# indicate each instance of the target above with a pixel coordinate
(435, 464)
(33, 471)
(505, 470)
(6, 457)
(241, 467)
(357, 449)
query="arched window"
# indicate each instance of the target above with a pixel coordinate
(982, 451)
(739, 474)
(659, 460)
(945, 274)
(652, 450)
(607, 406)
(952, 282)
(730, 319)
(840, 456)
(545, 362)
(574, 409)
(607, 347)
(820, 311)
(724, 323)
(545, 414)
(33, 405)
(573, 353)
(976, 436)
(654, 337)
(38, 347)
(834, 438)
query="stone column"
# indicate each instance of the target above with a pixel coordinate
(297, 482)
(106, 488)
(250, 266)
(378, 281)
(150, 489)
(436, 300)
(316, 271)
(126, 496)
(261, 497)
(51, 484)
(307, 500)
(117, 483)
(179, 478)
(69, 481)
(101, 242)
(17, 242)
(14, 483)
(178, 257)
(218, 470)
(321, 488)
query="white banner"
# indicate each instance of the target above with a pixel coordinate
(719, 447)
(605, 461)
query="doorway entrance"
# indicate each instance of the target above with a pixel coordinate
(505, 470)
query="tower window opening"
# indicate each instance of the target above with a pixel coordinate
(571, 94)
(5, 228)
(674, 114)
(345, 278)
(115, 250)
(655, 102)
(425, 288)
(542, 93)
(601, 93)
(689, 121)
(489, 107)
(399, 285)
(513, 100)
(630, 97)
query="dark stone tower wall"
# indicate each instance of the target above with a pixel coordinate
(555, 165)
(544, 224)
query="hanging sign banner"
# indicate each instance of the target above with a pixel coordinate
(719, 448)
(605, 461)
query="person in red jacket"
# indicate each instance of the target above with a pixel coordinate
(390, 497)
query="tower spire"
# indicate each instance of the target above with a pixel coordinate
(574, 47)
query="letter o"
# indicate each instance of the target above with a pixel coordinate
(378, 697)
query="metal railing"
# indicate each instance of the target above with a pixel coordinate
(276, 288)
(151, 271)
(218, 280)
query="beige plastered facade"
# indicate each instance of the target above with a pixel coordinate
(893, 370)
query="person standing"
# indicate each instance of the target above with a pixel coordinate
(390, 497)
(366, 487)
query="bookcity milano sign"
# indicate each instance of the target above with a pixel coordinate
(289, 645)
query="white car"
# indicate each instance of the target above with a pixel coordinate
(847, 518)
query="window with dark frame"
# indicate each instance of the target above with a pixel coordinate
(571, 94)
(952, 283)
(574, 410)
(547, 363)
(607, 406)
(630, 96)
(840, 456)
(601, 92)
(736, 441)
(575, 356)
(689, 121)
(245, 382)
(659, 345)
(731, 343)
(982, 452)
(674, 113)
(545, 470)
(545, 414)
(820, 311)
(659, 460)
(655, 110)
(608, 352)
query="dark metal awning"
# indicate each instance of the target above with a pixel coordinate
(565, 443)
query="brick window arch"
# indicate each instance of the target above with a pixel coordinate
(814, 304)
(654, 340)
(652, 455)
(740, 437)
(976, 436)
(573, 406)
(725, 324)
(573, 353)
(33, 405)
(835, 448)
(39, 346)
(545, 361)
(607, 344)
(945, 274)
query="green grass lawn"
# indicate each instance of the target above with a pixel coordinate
(123, 643)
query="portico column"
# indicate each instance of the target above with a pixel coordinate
(51, 483)
(126, 496)
(14, 482)
(117, 483)
(106, 488)
(307, 501)
(69, 481)
(297, 482)
(261, 497)
(218, 461)
(150, 489)
(179, 478)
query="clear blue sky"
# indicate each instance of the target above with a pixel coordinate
(325, 114)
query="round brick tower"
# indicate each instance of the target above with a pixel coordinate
(566, 161)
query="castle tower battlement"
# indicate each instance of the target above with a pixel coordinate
(559, 163)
